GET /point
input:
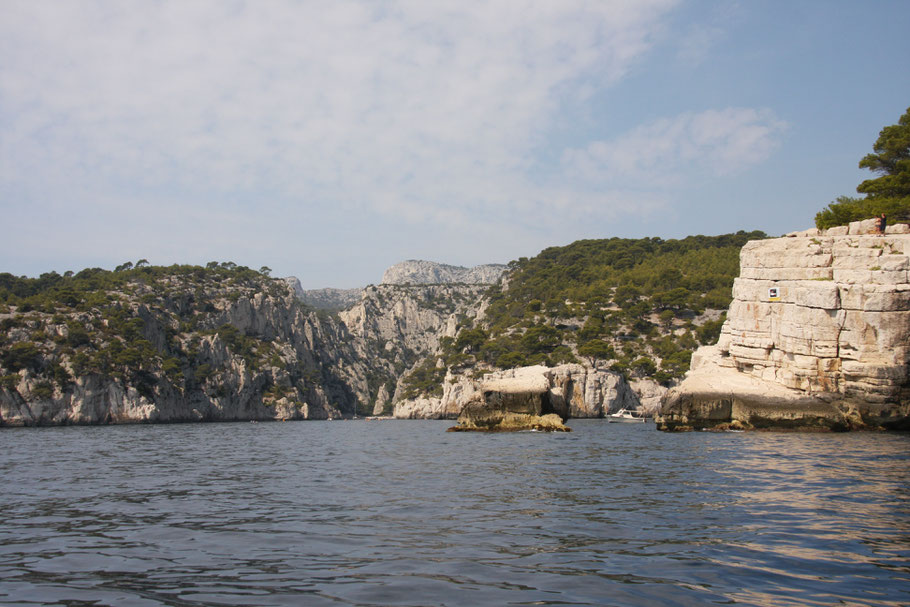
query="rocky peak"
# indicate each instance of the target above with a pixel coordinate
(429, 272)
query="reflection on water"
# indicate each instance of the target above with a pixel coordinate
(402, 513)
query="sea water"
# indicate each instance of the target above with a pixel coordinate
(403, 513)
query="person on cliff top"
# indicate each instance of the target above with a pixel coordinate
(882, 222)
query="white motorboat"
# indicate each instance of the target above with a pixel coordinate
(626, 416)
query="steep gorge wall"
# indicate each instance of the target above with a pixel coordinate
(395, 326)
(817, 335)
(303, 366)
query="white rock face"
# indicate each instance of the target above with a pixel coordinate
(580, 391)
(649, 393)
(409, 319)
(417, 272)
(294, 283)
(817, 315)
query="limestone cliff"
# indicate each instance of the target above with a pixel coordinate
(393, 326)
(173, 344)
(817, 335)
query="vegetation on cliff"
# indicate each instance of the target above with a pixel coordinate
(167, 332)
(639, 306)
(888, 193)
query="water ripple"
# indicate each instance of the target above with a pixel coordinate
(401, 513)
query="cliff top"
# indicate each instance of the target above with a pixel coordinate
(428, 272)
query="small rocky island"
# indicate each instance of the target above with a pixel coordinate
(524, 400)
(817, 337)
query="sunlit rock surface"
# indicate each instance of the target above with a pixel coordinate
(817, 336)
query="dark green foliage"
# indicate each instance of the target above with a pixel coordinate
(77, 335)
(9, 381)
(43, 390)
(891, 161)
(425, 379)
(710, 331)
(171, 368)
(139, 325)
(80, 363)
(643, 366)
(240, 344)
(675, 299)
(91, 287)
(888, 193)
(615, 291)
(22, 355)
(61, 375)
(508, 360)
(674, 366)
(597, 349)
(471, 339)
(539, 339)
(846, 209)
(596, 297)
(594, 273)
(203, 372)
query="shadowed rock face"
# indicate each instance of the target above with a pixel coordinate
(817, 336)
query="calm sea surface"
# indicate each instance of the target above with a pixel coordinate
(402, 513)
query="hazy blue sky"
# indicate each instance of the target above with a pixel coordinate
(331, 139)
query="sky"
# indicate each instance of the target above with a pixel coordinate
(330, 140)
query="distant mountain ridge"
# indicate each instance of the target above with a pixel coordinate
(330, 299)
(411, 272)
(422, 272)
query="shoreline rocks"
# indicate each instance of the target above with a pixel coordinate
(579, 391)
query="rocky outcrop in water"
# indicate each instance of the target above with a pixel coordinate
(817, 336)
(417, 272)
(573, 390)
(523, 400)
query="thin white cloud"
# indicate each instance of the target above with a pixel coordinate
(424, 112)
(346, 98)
(670, 151)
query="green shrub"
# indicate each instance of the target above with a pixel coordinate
(511, 360)
(171, 368)
(643, 366)
(9, 381)
(426, 378)
(43, 390)
(709, 332)
(22, 355)
(203, 372)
